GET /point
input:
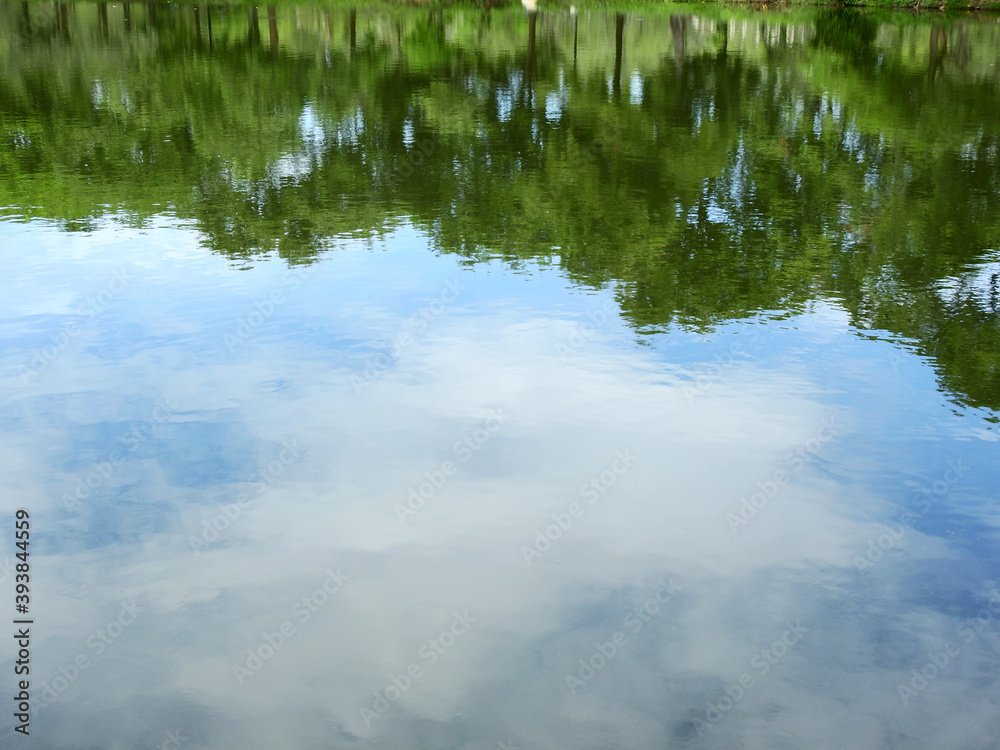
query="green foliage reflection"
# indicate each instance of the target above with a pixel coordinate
(712, 164)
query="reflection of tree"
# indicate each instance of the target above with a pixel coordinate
(576, 34)
(750, 171)
(64, 22)
(619, 44)
(938, 48)
(529, 61)
(678, 28)
(722, 30)
(272, 29)
(848, 31)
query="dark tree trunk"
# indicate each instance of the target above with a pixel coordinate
(616, 82)
(272, 29)
(529, 63)
(102, 19)
(939, 47)
(678, 30)
(64, 21)
(253, 27)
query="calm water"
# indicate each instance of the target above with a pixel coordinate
(390, 377)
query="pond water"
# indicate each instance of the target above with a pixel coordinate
(417, 377)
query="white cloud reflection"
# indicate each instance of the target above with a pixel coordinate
(697, 458)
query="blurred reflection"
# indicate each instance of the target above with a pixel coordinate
(731, 186)
(502, 376)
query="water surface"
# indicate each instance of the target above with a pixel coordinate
(409, 377)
